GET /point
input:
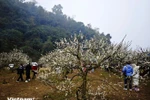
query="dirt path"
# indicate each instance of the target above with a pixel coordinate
(34, 88)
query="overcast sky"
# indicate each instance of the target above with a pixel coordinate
(117, 17)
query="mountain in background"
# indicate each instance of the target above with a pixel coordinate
(26, 26)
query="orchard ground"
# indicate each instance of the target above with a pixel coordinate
(111, 83)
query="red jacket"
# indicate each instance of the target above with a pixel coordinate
(34, 67)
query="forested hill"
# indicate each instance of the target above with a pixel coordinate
(29, 27)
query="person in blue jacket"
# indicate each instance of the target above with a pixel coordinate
(127, 71)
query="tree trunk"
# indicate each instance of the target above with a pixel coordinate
(83, 87)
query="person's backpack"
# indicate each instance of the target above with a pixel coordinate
(128, 69)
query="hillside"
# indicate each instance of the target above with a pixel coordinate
(31, 28)
(113, 87)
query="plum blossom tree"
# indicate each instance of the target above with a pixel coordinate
(119, 59)
(142, 58)
(83, 55)
(15, 56)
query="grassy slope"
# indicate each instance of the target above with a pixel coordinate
(112, 85)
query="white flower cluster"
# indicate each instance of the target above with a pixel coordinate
(65, 86)
(46, 74)
(15, 56)
(98, 92)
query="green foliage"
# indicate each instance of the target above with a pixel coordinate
(10, 39)
(57, 9)
(29, 27)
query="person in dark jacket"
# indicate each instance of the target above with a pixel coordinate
(20, 72)
(28, 68)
